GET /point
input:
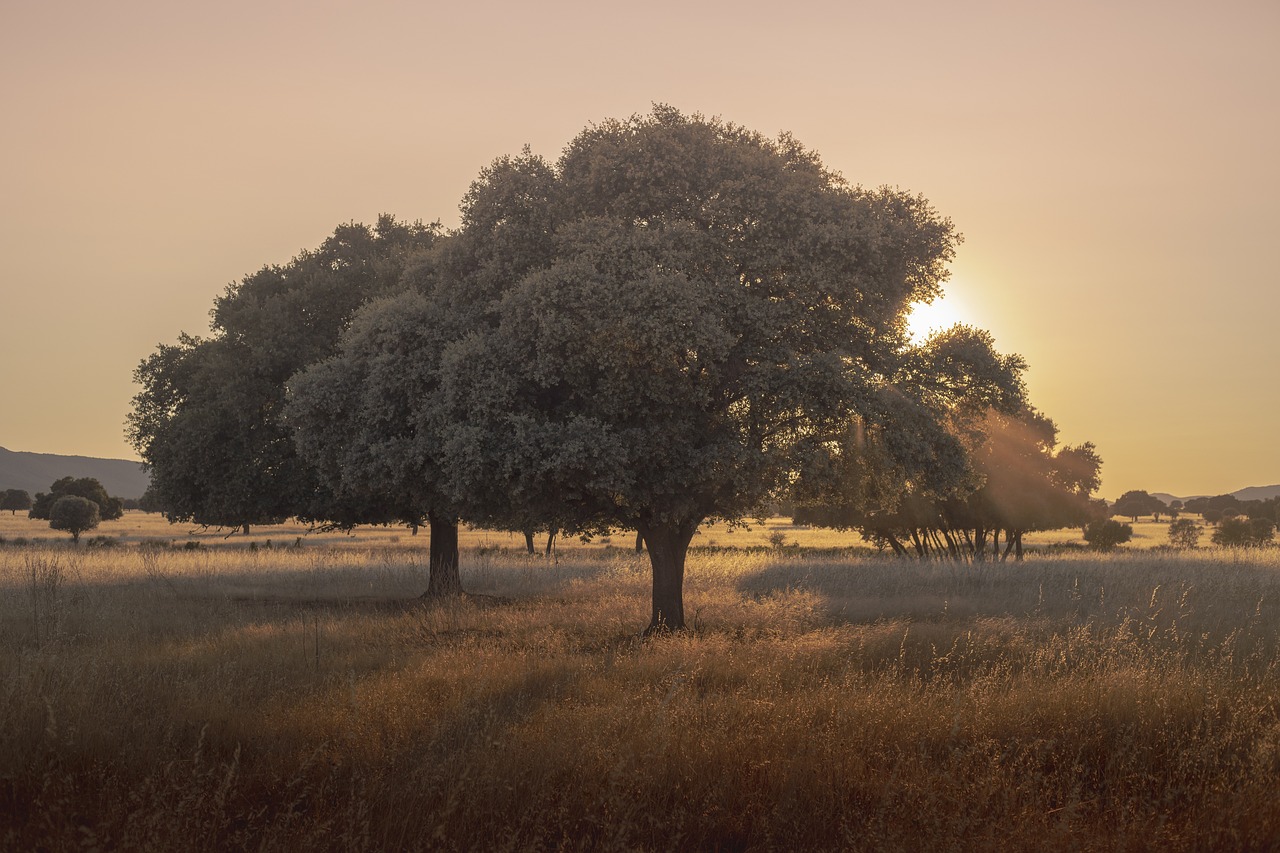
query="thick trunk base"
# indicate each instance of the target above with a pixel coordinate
(668, 544)
(443, 578)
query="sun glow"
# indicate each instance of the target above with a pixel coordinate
(942, 313)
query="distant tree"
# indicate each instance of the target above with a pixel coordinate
(1175, 505)
(1184, 533)
(109, 508)
(14, 500)
(1211, 516)
(1106, 535)
(1218, 503)
(150, 501)
(74, 514)
(1133, 504)
(1241, 532)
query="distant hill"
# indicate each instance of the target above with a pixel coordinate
(1252, 493)
(35, 472)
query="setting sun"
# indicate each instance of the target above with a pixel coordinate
(942, 313)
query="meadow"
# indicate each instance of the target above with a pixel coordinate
(302, 696)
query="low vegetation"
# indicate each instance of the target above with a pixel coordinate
(306, 698)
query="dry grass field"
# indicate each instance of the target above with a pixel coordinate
(305, 698)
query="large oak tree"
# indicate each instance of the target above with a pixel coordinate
(698, 306)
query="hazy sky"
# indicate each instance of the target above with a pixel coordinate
(1114, 167)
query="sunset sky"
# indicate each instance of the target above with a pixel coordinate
(1114, 167)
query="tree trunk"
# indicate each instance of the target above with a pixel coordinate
(898, 547)
(245, 528)
(639, 542)
(551, 539)
(444, 578)
(668, 544)
(528, 540)
(1017, 547)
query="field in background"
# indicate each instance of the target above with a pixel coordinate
(307, 699)
(137, 527)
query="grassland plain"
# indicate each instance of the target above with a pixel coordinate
(305, 698)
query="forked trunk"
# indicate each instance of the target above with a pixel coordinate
(639, 542)
(668, 543)
(528, 540)
(444, 578)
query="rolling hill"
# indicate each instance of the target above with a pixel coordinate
(34, 472)
(1251, 493)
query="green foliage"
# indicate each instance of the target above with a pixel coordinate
(109, 508)
(208, 420)
(712, 305)
(74, 515)
(661, 328)
(1106, 535)
(1184, 533)
(14, 500)
(713, 297)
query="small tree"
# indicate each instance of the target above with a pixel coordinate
(14, 500)
(1135, 503)
(1106, 535)
(109, 508)
(75, 515)
(1184, 533)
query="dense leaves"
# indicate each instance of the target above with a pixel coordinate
(15, 499)
(711, 305)
(208, 420)
(89, 488)
(74, 514)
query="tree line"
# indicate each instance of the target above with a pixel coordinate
(679, 320)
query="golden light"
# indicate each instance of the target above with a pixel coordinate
(941, 313)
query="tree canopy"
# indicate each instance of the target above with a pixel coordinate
(109, 508)
(1135, 503)
(679, 320)
(666, 322)
(15, 499)
(208, 420)
(74, 514)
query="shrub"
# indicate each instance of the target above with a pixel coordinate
(1184, 533)
(1105, 535)
(1241, 532)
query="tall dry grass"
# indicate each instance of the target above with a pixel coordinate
(305, 699)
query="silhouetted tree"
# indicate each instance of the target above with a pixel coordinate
(74, 514)
(109, 508)
(1243, 532)
(14, 500)
(1106, 535)
(1136, 503)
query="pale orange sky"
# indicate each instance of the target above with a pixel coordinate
(1113, 167)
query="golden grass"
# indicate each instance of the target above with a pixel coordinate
(306, 699)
